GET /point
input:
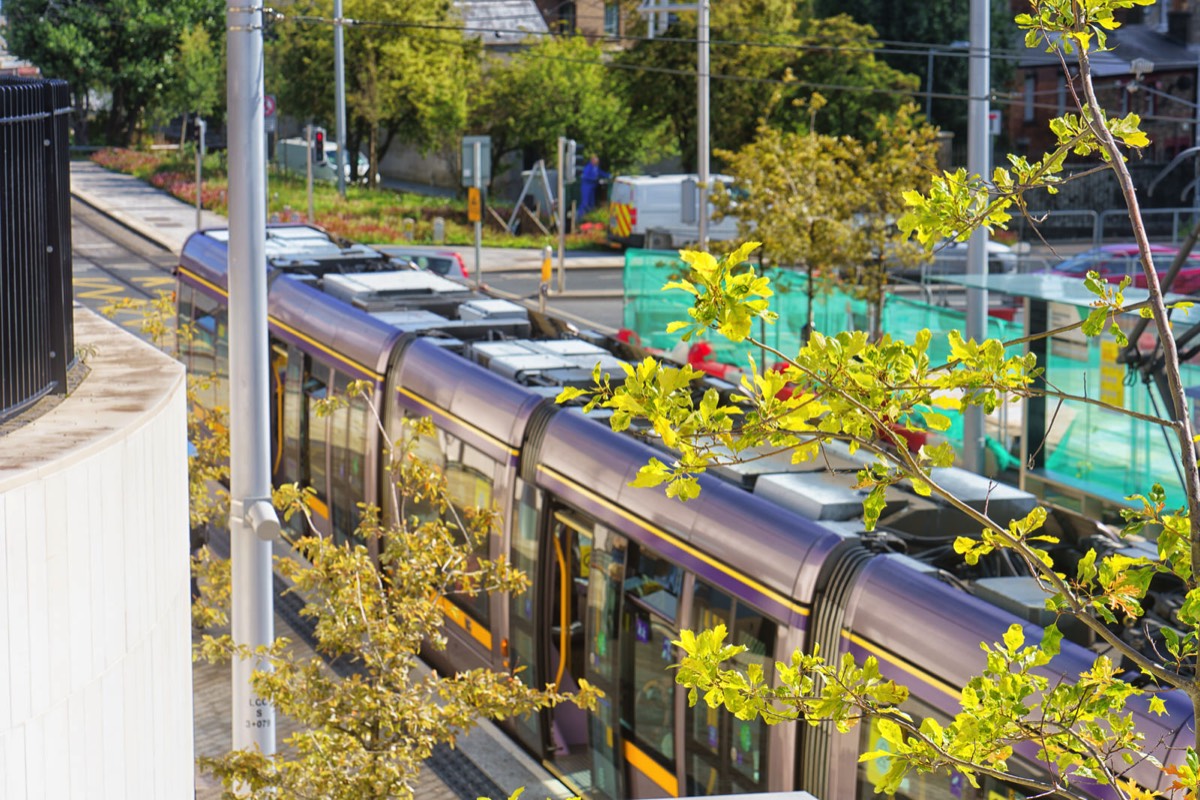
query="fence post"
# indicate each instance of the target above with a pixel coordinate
(37, 339)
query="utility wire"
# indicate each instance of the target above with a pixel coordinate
(870, 49)
(999, 98)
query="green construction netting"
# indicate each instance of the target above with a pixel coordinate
(1093, 450)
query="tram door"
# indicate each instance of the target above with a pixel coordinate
(585, 567)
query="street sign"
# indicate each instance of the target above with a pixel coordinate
(474, 205)
(994, 123)
(468, 160)
(269, 118)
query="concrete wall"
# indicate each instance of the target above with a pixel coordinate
(95, 667)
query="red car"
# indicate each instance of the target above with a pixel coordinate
(1115, 261)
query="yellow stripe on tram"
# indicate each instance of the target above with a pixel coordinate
(308, 339)
(783, 600)
(903, 665)
(204, 282)
(317, 506)
(460, 618)
(651, 769)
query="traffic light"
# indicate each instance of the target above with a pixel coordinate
(569, 171)
(318, 147)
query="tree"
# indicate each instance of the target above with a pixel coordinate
(563, 87)
(409, 71)
(847, 388)
(199, 80)
(760, 47)
(366, 735)
(909, 31)
(828, 204)
(123, 48)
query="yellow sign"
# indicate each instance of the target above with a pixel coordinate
(474, 205)
(1112, 375)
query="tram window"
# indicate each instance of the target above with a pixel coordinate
(606, 565)
(201, 311)
(923, 785)
(316, 389)
(652, 587)
(748, 739)
(727, 755)
(468, 474)
(655, 582)
(522, 624)
(184, 313)
(279, 371)
(293, 421)
(220, 370)
(348, 444)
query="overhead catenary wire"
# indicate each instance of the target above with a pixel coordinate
(686, 73)
(1001, 98)
(872, 47)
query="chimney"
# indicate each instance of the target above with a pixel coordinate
(1180, 28)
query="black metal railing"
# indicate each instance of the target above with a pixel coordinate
(37, 337)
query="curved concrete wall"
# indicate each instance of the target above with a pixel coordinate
(95, 667)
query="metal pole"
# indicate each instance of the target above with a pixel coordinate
(308, 133)
(339, 89)
(929, 86)
(978, 163)
(477, 155)
(702, 124)
(562, 219)
(252, 520)
(200, 129)
(544, 286)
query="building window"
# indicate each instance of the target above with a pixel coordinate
(1062, 95)
(1030, 94)
(612, 19)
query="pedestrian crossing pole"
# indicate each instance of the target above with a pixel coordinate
(252, 520)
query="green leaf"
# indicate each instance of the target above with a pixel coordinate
(1094, 324)
(1052, 640)
(936, 421)
(677, 325)
(1014, 638)
(1157, 706)
(570, 393)
(873, 506)
(651, 474)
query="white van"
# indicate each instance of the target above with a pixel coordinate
(660, 211)
(293, 153)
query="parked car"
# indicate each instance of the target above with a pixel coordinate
(292, 155)
(1114, 261)
(950, 258)
(446, 263)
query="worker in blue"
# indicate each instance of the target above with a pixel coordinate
(588, 183)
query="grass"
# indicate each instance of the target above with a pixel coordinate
(376, 216)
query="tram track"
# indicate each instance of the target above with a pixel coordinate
(111, 262)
